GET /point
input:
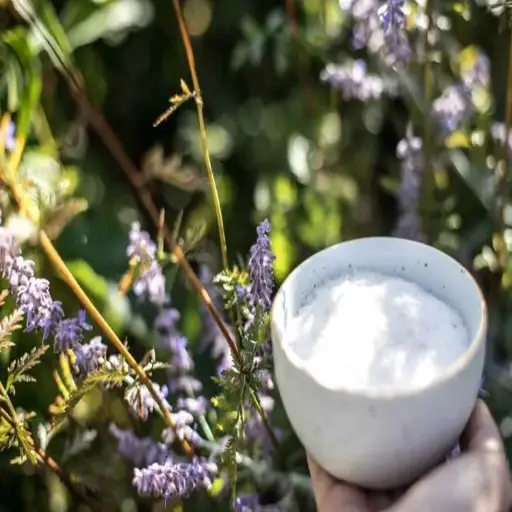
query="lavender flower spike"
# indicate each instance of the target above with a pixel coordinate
(452, 108)
(139, 451)
(409, 151)
(141, 401)
(353, 80)
(261, 271)
(142, 250)
(89, 354)
(393, 22)
(174, 478)
(69, 333)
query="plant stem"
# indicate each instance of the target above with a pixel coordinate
(136, 180)
(202, 129)
(429, 184)
(59, 263)
(259, 409)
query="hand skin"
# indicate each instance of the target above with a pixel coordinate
(478, 480)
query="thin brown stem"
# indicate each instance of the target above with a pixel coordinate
(59, 263)
(202, 129)
(112, 143)
(136, 180)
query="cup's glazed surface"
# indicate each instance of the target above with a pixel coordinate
(379, 439)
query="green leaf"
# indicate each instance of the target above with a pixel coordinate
(8, 325)
(19, 367)
(105, 375)
(92, 282)
(45, 23)
(31, 85)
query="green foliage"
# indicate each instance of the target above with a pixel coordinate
(19, 368)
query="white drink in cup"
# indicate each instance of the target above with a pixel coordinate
(379, 346)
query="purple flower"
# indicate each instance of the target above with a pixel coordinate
(184, 428)
(10, 137)
(247, 503)
(367, 29)
(89, 354)
(261, 271)
(165, 326)
(393, 22)
(69, 332)
(353, 81)
(141, 246)
(141, 401)
(139, 451)
(452, 108)
(151, 284)
(211, 335)
(174, 478)
(181, 363)
(33, 297)
(409, 151)
(479, 74)
(393, 16)
(195, 406)
(151, 281)
(35, 301)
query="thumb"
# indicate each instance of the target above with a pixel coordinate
(333, 495)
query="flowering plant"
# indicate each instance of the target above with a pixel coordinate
(196, 416)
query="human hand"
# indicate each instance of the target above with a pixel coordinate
(476, 481)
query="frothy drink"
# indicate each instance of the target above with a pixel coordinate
(366, 330)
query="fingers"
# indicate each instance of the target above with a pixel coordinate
(332, 495)
(481, 433)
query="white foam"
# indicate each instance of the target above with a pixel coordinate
(366, 330)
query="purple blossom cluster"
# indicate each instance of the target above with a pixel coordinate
(479, 74)
(409, 151)
(261, 273)
(33, 299)
(379, 28)
(393, 24)
(10, 137)
(247, 503)
(181, 378)
(367, 30)
(211, 336)
(353, 80)
(174, 478)
(453, 107)
(158, 473)
(142, 251)
(89, 355)
(141, 452)
(141, 401)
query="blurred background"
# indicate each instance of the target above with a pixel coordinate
(284, 146)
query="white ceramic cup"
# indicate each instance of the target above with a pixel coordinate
(380, 439)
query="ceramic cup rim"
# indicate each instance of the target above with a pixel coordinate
(371, 393)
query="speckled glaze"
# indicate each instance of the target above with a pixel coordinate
(380, 440)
